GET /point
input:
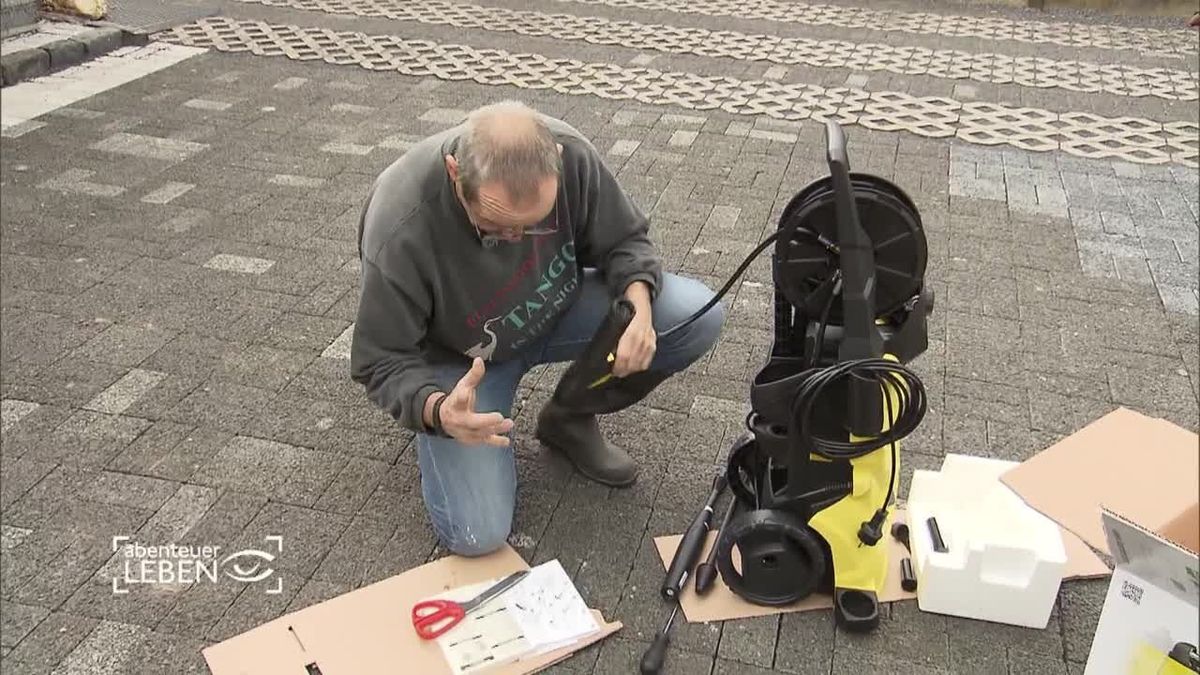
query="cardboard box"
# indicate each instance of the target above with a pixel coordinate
(1153, 600)
(368, 631)
(1129, 485)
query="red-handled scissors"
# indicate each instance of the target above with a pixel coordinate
(432, 618)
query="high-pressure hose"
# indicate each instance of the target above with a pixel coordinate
(724, 289)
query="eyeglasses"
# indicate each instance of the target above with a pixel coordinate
(548, 225)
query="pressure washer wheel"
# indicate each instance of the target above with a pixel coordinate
(782, 559)
(806, 256)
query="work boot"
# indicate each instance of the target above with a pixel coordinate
(568, 422)
(578, 437)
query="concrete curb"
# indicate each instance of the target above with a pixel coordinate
(55, 56)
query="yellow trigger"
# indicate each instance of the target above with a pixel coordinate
(607, 376)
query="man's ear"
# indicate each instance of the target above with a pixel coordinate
(452, 167)
(559, 146)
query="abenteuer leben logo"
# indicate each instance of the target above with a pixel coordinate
(187, 564)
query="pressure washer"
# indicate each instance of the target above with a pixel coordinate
(816, 472)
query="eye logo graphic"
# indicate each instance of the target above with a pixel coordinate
(245, 565)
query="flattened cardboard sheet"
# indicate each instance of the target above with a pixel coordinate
(1145, 468)
(1082, 561)
(368, 631)
(721, 604)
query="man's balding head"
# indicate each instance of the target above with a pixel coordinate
(506, 167)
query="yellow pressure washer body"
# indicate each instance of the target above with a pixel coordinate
(817, 472)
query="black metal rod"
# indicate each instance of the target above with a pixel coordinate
(706, 573)
(652, 660)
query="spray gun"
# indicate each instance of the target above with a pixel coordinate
(604, 342)
(593, 368)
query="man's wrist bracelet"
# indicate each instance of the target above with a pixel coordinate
(436, 415)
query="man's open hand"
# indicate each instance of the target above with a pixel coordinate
(460, 420)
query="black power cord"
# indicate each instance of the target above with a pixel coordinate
(892, 377)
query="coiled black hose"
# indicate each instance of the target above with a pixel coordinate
(893, 378)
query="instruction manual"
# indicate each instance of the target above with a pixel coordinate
(549, 609)
(541, 613)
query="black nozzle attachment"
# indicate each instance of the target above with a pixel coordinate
(908, 578)
(900, 534)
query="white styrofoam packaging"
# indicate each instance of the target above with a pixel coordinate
(1004, 561)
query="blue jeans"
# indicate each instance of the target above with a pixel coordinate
(470, 490)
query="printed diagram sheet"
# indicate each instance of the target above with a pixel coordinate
(540, 614)
(549, 609)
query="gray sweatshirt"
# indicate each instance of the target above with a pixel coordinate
(433, 292)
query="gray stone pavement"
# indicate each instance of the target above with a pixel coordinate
(178, 275)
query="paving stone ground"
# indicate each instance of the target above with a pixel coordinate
(179, 280)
